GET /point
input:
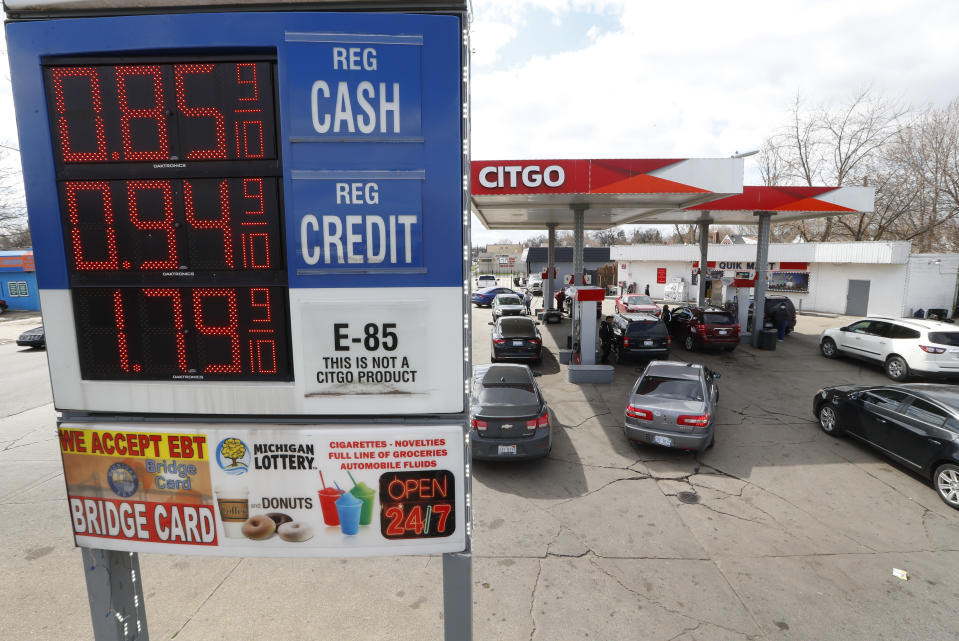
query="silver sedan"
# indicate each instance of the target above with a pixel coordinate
(673, 404)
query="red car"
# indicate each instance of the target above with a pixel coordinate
(698, 327)
(637, 303)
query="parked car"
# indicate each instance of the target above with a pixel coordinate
(673, 404)
(699, 327)
(516, 338)
(639, 336)
(508, 414)
(486, 296)
(508, 305)
(637, 303)
(485, 280)
(33, 338)
(915, 424)
(903, 346)
(535, 285)
(3, 306)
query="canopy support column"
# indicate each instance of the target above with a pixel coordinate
(550, 266)
(579, 223)
(703, 270)
(762, 267)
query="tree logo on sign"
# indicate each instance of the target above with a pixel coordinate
(233, 456)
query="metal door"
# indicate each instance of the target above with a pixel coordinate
(857, 298)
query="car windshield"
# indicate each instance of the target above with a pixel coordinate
(508, 300)
(718, 318)
(506, 396)
(639, 300)
(677, 388)
(945, 338)
(516, 328)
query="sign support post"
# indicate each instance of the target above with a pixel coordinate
(115, 590)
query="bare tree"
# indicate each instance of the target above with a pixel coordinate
(14, 232)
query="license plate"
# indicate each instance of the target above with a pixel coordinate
(517, 343)
(723, 332)
(662, 440)
(647, 343)
(508, 449)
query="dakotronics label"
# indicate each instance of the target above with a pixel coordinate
(273, 491)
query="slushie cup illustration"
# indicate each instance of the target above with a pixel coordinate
(348, 508)
(365, 493)
(328, 496)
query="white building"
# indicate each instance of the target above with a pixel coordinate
(858, 278)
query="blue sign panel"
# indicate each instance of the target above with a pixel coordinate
(358, 222)
(363, 87)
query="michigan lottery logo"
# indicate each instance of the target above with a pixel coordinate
(233, 456)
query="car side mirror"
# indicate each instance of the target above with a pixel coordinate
(537, 374)
(843, 329)
(490, 323)
(717, 375)
(537, 323)
(855, 396)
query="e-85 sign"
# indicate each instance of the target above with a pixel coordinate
(384, 350)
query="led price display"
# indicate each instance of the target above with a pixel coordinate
(150, 112)
(182, 333)
(163, 224)
(169, 192)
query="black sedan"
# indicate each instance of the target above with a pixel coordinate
(508, 414)
(33, 338)
(516, 337)
(915, 424)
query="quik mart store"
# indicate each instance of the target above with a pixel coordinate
(856, 278)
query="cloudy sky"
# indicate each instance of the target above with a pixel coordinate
(635, 79)
(632, 79)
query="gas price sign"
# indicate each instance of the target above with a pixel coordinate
(248, 213)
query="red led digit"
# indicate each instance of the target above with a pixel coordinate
(156, 113)
(247, 69)
(263, 294)
(222, 223)
(253, 190)
(443, 510)
(228, 330)
(133, 188)
(176, 302)
(119, 318)
(96, 103)
(179, 71)
(250, 242)
(72, 188)
(241, 130)
(256, 356)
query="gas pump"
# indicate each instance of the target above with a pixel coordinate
(583, 302)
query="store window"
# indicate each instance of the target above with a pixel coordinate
(17, 288)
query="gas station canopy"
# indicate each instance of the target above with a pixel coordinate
(531, 194)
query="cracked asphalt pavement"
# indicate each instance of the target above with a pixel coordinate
(778, 532)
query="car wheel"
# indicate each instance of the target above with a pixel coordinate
(829, 420)
(946, 481)
(688, 343)
(896, 368)
(828, 348)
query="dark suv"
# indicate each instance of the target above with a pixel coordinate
(697, 327)
(772, 302)
(639, 336)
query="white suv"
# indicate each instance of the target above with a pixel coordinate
(486, 280)
(903, 345)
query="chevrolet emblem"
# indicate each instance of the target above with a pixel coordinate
(506, 426)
